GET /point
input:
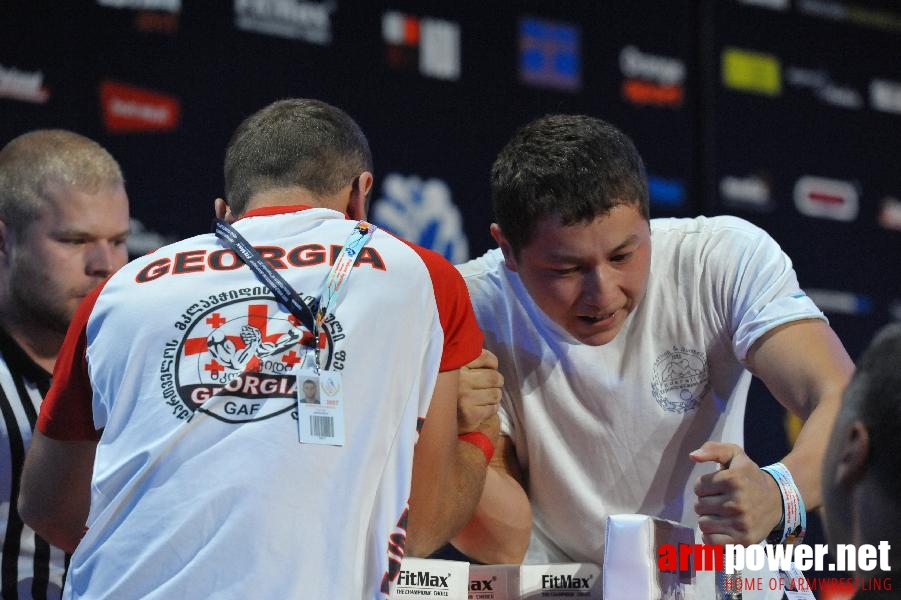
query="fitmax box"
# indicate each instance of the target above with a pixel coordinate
(534, 582)
(630, 559)
(431, 578)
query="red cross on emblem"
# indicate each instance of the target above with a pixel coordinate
(215, 321)
(290, 358)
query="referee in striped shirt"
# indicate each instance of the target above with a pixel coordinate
(63, 224)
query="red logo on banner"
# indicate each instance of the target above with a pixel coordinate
(152, 21)
(637, 91)
(826, 198)
(130, 109)
(651, 79)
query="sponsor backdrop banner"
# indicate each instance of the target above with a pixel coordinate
(783, 112)
(801, 115)
(803, 111)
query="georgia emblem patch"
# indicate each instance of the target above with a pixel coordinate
(235, 354)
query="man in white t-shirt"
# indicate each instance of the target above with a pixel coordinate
(626, 371)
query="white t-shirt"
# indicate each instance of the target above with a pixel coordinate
(184, 361)
(603, 430)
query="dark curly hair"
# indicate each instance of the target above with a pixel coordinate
(573, 166)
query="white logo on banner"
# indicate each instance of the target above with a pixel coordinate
(292, 19)
(432, 43)
(770, 4)
(172, 6)
(23, 85)
(752, 192)
(652, 67)
(820, 83)
(890, 213)
(424, 213)
(885, 95)
(840, 302)
(439, 51)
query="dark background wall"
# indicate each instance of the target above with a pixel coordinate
(784, 112)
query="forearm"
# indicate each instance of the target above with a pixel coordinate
(501, 525)
(805, 461)
(806, 368)
(434, 520)
(62, 531)
(55, 491)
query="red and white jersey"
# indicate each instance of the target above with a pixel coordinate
(182, 365)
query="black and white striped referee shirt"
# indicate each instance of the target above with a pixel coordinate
(31, 568)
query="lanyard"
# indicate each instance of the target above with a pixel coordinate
(283, 291)
(342, 268)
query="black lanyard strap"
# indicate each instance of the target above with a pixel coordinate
(265, 273)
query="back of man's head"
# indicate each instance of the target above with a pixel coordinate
(294, 143)
(574, 167)
(35, 160)
(875, 394)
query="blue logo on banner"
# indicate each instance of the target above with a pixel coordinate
(865, 304)
(666, 193)
(424, 213)
(549, 54)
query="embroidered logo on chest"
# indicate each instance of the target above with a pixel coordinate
(680, 379)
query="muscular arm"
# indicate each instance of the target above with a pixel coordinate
(499, 530)
(806, 368)
(55, 494)
(448, 475)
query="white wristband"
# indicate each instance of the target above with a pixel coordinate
(794, 515)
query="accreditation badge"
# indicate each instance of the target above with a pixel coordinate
(320, 407)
